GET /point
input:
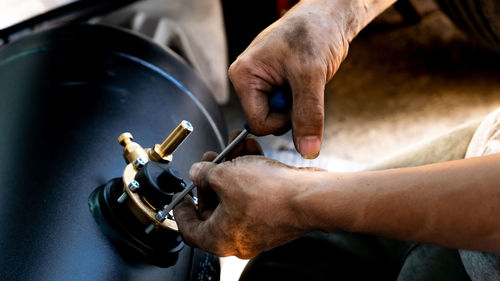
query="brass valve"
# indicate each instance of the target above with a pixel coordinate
(163, 152)
(126, 207)
(132, 151)
(137, 157)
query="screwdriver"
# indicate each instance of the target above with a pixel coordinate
(279, 102)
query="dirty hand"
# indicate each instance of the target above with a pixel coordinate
(302, 50)
(254, 212)
(245, 205)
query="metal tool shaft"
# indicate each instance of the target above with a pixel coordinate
(241, 136)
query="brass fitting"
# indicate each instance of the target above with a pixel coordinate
(131, 150)
(163, 152)
(136, 157)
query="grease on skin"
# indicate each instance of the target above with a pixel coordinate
(298, 38)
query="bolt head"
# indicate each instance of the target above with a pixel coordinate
(159, 216)
(139, 163)
(133, 185)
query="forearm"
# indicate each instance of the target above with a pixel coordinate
(454, 204)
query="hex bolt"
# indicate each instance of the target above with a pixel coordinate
(133, 185)
(122, 198)
(159, 216)
(139, 163)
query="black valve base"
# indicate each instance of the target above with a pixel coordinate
(161, 247)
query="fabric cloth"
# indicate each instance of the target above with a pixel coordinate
(322, 256)
(352, 256)
(486, 140)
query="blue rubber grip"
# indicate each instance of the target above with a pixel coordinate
(280, 101)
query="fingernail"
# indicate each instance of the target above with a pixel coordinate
(309, 147)
(195, 169)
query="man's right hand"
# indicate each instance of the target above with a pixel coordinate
(302, 50)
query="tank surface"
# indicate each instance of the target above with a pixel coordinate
(66, 95)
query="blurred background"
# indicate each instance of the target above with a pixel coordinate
(411, 75)
(418, 70)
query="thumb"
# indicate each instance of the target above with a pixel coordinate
(308, 115)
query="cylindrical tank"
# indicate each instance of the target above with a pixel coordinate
(66, 94)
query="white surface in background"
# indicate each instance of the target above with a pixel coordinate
(329, 163)
(15, 11)
(231, 268)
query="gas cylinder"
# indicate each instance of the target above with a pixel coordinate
(66, 95)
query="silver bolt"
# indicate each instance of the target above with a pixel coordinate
(122, 198)
(159, 216)
(149, 228)
(133, 185)
(139, 163)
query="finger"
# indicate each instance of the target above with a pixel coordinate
(308, 115)
(233, 135)
(198, 232)
(207, 201)
(205, 214)
(284, 129)
(249, 146)
(252, 91)
(188, 221)
(209, 156)
(200, 174)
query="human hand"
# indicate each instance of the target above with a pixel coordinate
(254, 212)
(244, 205)
(302, 50)
(207, 199)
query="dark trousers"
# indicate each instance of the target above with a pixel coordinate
(349, 256)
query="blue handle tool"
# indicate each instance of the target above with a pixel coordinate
(279, 101)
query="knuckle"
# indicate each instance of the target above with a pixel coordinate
(233, 68)
(208, 156)
(241, 66)
(215, 174)
(256, 126)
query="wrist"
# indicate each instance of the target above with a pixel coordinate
(326, 201)
(350, 16)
